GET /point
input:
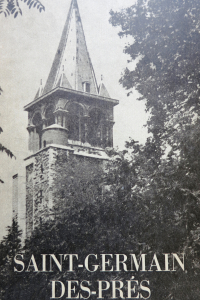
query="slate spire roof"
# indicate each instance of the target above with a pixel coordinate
(72, 67)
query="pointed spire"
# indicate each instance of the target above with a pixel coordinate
(72, 58)
(40, 90)
(63, 82)
(102, 89)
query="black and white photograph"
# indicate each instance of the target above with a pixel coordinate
(99, 140)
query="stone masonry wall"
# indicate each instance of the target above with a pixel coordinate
(41, 176)
(29, 199)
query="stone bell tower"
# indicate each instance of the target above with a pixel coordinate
(71, 115)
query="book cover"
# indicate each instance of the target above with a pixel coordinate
(95, 205)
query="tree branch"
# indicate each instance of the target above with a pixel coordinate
(8, 152)
(12, 7)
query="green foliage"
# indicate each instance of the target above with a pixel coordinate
(12, 7)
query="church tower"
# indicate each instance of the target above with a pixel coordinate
(71, 115)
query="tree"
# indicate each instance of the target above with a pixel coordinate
(9, 247)
(12, 7)
(88, 217)
(167, 48)
(85, 221)
(141, 208)
(89, 226)
(164, 212)
(134, 215)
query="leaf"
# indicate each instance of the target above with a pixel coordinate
(35, 4)
(4, 7)
(31, 4)
(12, 7)
(8, 152)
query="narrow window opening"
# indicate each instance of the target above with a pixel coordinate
(86, 87)
(44, 144)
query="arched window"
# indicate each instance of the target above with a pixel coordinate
(97, 129)
(50, 119)
(37, 121)
(75, 122)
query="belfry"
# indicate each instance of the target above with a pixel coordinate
(72, 114)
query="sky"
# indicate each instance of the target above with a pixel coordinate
(27, 48)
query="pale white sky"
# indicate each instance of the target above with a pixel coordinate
(27, 48)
